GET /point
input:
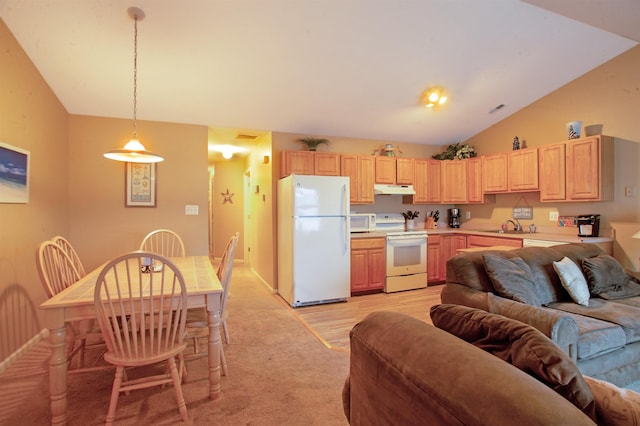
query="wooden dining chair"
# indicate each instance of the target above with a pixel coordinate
(57, 272)
(197, 325)
(164, 242)
(68, 248)
(142, 317)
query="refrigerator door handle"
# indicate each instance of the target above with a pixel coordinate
(347, 231)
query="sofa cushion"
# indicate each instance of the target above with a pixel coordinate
(511, 278)
(607, 279)
(520, 345)
(614, 405)
(573, 280)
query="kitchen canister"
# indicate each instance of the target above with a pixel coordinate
(573, 129)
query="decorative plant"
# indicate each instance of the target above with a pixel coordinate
(312, 143)
(456, 150)
(409, 215)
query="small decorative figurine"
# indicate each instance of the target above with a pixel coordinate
(516, 143)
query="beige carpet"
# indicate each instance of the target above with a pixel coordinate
(279, 373)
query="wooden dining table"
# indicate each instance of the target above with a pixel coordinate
(77, 303)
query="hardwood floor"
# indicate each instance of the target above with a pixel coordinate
(332, 322)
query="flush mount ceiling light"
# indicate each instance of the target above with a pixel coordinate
(134, 151)
(433, 97)
(227, 150)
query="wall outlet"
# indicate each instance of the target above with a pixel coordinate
(553, 216)
(629, 191)
(191, 210)
(468, 215)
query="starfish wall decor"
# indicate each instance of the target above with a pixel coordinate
(227, 197)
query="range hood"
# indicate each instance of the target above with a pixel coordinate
(379, 189)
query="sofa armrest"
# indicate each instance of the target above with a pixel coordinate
(457, 294)
(407, 372)
(556, 325)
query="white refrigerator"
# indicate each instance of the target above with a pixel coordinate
(314, 245)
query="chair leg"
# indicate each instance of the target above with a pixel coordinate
(223, 361)
(226, 332)
(115, 393)
(175, 375)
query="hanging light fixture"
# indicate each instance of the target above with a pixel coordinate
(433, 97)
(134, 151)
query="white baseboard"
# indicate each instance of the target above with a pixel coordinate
(8, 361)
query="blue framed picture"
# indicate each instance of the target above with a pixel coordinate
(14, 174)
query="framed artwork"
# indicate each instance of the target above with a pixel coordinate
(14, 174)
(140, 185)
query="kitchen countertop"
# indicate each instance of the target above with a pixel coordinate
(546, 236)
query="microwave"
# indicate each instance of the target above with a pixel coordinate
(363, 222)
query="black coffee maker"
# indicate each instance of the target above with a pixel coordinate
(454, 218)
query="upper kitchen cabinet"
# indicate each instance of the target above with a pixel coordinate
(361, 170)
(454, 181)
(474, 180)
(577, 170)
(309, 163)
(405, 171)
(385, 170)
(523, 170)
(420, 167)
(495, 173)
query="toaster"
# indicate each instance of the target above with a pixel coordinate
(588, 225)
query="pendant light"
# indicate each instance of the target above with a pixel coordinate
(134, 151)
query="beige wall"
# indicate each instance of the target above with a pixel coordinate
(31, 118)
(101, 226)
(608, 95)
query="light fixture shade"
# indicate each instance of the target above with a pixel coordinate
(133, 152)
(433, 96)
(636, 235)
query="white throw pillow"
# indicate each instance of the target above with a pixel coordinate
(573, 280)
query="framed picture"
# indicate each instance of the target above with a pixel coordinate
(14, 174)
(140, 185)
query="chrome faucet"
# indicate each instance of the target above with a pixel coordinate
(516, 225)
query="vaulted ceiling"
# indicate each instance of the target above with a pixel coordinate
(352, 68)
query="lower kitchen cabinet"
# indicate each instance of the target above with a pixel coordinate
(368, 265)
(483, 241)
(441, 248)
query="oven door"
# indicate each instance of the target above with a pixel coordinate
(406, 254)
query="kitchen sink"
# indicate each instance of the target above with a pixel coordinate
(513, 231)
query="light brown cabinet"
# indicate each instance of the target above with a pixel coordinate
(495, 173)
(454, 181)
(309, 163)
(523, 170)
(368, 263)
(434, 181)
(441, 248)
(577, 170)
(405, 171)
(360, 169)
(385, 170)
(474, 180)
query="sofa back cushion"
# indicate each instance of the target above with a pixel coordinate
(512, 278)
(607, 279)
(520, 345)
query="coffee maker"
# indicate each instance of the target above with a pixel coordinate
(454, 218)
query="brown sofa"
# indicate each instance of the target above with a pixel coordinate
(602, 338)
(404, 371)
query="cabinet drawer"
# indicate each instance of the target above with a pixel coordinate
(367, 243)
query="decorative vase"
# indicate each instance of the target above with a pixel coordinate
(410, 224)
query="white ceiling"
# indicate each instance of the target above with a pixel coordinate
(353, 68)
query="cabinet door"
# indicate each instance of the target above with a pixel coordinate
(385, 170)
(359, 270)
(405, 169)
(494, 173)
(482, 241)
(454, 181)
(523, 170)
(449, 246)
(360, 170)
(326, 164)
(377, 268)
(419, 184)
(434, 181)
(583, 169)
(434, 263)
(474, 181)
(296, 162)
(552, 172)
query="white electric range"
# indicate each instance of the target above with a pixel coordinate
(406, 252)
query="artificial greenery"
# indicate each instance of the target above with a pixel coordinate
(456, 150)
(312, 143)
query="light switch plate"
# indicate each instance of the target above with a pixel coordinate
(191, 210)
(553, 216)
